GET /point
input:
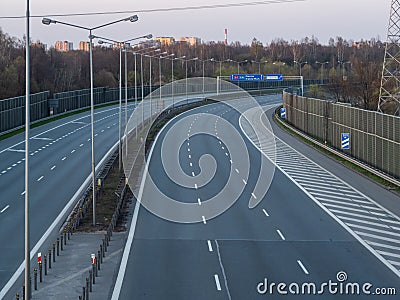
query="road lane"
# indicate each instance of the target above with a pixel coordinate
(287, 238)
(59, 163)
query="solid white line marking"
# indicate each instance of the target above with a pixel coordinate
(195, 186)
(204, 219)
(231, 161)
(40, 178)
(64, 158)
(280, 234)
(199, 201)
(303, 267)
(265, 213)
(209, 246)
(217, 283)
(4, 209)
(53, 167)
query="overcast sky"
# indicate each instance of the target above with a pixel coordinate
(351, 19)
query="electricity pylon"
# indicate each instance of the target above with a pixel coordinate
(389, 96)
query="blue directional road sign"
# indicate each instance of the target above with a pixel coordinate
(274, 77)
(345, 141)
(283, 113)
(247, 77)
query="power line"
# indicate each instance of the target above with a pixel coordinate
(214, 6)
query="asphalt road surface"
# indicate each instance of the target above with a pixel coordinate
(297, 238)
(60, 161)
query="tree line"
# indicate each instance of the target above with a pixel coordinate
(353, 69)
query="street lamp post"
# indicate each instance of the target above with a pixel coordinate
(186, 60)
(301, 77)
(204, 61)
(135, 53)
(259, 69)
(47, 21)
(343, 63)
(177, 58)
(27, 128)
(121, 45)
(322, 69)
(167, 56)
(238, 63)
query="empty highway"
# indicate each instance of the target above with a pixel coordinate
(317, 224)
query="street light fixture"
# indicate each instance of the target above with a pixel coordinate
(159, 67)
(47, 21)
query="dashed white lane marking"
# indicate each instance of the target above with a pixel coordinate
(40, 178)
(190, 156)
(265, 213)
(4, 209)
(254, 196)
(280, 234)
(64, 158)
(23, 193)
(204, 219)
(102, 130)
(195, 186)
(193, 174)
(231, 161)
(209, 246)
(88, 140)
(217, 283)
(9, 168)
(81, 145)
(191, 164)
(188, 149)
(226, 153)
(303, 267)
(14, 165)
(199, 201)
(73, 151)
(237, 171)
(96, 134)
(53, 167)
(244, 181)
